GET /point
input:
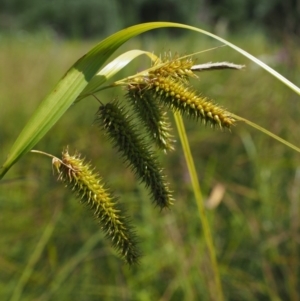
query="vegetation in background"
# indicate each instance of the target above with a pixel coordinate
(91, 18)
(238, 230)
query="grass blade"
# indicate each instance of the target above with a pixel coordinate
(36, 255)
(268, 133)
(200, 204)
(112, 69)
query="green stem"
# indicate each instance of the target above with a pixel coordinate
(263, 130)
(34, 258)
(199, 199)
(69, 267)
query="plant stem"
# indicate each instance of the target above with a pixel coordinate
(199, 199)
(34, 258)
(263, 130)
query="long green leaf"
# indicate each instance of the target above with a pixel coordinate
(112, 69)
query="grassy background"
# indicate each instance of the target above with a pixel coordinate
(48, 236)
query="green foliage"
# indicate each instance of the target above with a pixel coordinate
(90, 18)
(277, 17)
(64, 17)
(256, 225)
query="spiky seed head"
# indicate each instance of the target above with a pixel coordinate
(113, 119)
(154, 118)
(88, 187)
(182, 97)
(168, 66)
(169, 84)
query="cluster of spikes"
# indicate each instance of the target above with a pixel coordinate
(133, 130)
(168, 84)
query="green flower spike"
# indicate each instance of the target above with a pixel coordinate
(179, 96)
(141, 160)
(173, 67)
(169, 84)
(153, 117)
(87, 186)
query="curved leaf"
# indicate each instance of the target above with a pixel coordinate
(112, 69)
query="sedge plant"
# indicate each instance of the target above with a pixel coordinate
(138, 126)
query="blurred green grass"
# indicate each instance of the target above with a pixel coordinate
(255, 227)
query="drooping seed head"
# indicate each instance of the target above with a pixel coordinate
(169, 84)
(113, 119)
(88, 187)
(153, 117)
(180, 96)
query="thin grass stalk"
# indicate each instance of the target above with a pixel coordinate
(199, 200)
(69, 266)
(263, 130)
(34, 258)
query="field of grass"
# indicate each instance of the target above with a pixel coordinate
(52, 248)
